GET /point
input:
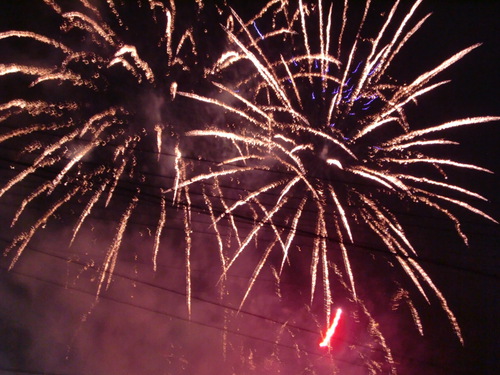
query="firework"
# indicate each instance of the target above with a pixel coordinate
(320, 134)
(308, 143)
(111, 100)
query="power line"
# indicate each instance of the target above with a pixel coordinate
(185, 320)
(29, 372)
(155, 198)
(219, 305)
(357, 245)
(365, 183)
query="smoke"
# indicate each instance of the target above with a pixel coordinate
(55, 323)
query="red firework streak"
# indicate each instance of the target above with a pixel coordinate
(331, 330)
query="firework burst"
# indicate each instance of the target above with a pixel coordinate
(101, 129)
(320, 135)
(311, 145)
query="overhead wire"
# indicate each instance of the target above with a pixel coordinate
(357, 245)
(216, 304)
(185, 319)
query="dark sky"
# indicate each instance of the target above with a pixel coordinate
(50, 322)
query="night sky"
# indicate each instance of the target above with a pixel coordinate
(52, 323)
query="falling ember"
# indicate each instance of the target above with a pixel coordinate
(331, 330)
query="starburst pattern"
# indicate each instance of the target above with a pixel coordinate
(321, 119)
(310, 146)
(111, 101)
